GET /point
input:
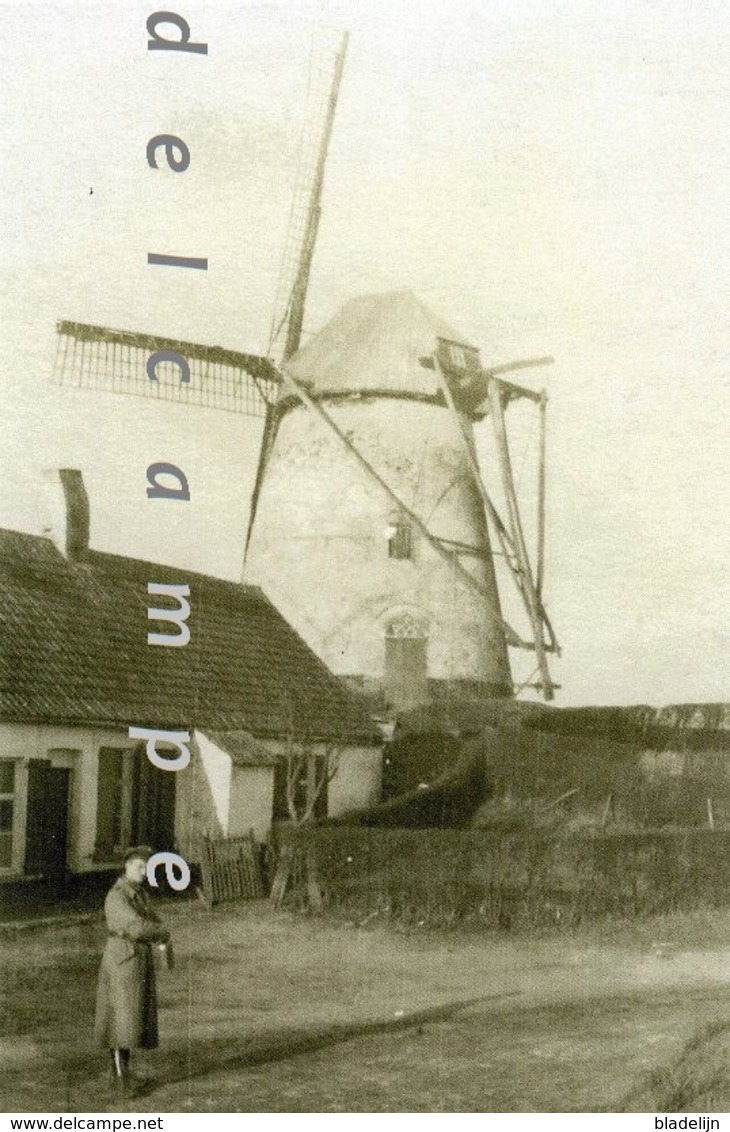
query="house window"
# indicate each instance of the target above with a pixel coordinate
(400, 540)
(7, 805)
(135, 803)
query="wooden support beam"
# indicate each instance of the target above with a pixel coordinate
(534, 607)
(515, 561)
(505, 538)
(509, 387)
(541, 493)
(468, 440)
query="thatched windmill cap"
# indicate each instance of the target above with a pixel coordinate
(374, 344)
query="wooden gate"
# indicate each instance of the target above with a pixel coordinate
(231, 869)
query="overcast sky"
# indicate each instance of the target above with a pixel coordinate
(549, 177)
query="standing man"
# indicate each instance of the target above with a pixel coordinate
(126, 1001)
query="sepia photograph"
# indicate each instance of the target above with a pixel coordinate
(364, 722)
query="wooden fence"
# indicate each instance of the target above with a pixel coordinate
(231, 869)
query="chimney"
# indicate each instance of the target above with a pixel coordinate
(67, 511)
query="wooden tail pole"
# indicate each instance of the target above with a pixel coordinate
(515, 558)
(534, 608)
(541, 492)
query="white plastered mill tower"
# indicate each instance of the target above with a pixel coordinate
(369, 530)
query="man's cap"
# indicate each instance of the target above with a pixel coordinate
(138, 852)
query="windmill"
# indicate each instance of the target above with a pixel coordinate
(370, 522)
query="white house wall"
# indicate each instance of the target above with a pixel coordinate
(252, 801)
(212, 796)
(216, 765)
(357, 783)
(77, 748)
(218, 799)
(201, 798)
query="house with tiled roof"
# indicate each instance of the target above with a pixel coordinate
(76, 672)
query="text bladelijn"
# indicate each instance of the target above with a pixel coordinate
(703, 1123)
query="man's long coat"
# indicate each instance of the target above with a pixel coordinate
(126, 1000)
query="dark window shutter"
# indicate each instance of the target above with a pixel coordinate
(108, 803)
(154, 804)
(46, 829)
(280, 809)
(322, 802)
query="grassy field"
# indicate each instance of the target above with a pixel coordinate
(274, 1012)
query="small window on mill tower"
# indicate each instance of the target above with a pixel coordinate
(400, 540)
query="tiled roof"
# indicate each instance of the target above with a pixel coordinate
(243, 749)
(73, 649)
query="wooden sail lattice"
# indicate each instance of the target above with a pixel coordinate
(97, 357)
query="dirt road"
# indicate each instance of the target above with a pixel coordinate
(274, 1012)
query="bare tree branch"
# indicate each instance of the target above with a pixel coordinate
(307, 768)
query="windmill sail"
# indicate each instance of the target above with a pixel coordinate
(97, 357)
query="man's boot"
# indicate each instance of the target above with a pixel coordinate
(121, 1075)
